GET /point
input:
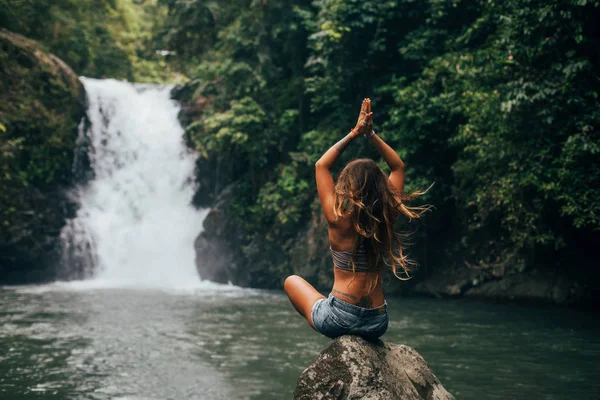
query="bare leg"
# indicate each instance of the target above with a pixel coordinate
(302, 295)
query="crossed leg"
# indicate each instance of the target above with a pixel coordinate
(302, 295)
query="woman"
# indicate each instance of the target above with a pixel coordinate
(360, 210)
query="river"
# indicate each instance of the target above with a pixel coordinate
(79, 341)
(138, 323)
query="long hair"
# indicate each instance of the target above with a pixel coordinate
(362, 193)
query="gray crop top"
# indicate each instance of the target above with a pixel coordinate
(341, 259)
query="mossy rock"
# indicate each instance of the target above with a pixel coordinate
(352, 368)
(42, 102)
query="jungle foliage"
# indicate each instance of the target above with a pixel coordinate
(494, 101)
(98, 39)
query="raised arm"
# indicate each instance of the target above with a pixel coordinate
(325, 184)
(392, 159)
(396, 178)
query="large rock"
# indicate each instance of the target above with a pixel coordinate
(42, 102)
(541, 285)
(224, 255)
(217, 252)
(352, 368)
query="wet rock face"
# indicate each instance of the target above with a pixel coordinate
(42, 102)
(352, 368)
(218, 255)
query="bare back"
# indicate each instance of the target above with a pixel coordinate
(353, 287)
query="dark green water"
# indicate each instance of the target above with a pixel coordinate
(73, 342)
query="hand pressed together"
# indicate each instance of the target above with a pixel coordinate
(364, 125)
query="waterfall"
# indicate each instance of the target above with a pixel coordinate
(135, 225)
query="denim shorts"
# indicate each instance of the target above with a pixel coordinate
(334, 317)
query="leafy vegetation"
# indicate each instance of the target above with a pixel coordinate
(98, 39)
(495, 102)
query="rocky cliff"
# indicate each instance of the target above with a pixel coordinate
(42, 102)
(223, 256)
(352, 368)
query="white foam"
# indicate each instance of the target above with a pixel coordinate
(200, 288)
(136, 213)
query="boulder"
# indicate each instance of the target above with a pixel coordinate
(217, 247)
(223, 253)
(42, 103)
(539, 285)
(352, 368)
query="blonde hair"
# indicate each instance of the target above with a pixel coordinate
(363, 194)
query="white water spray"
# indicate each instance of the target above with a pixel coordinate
(136, 212)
